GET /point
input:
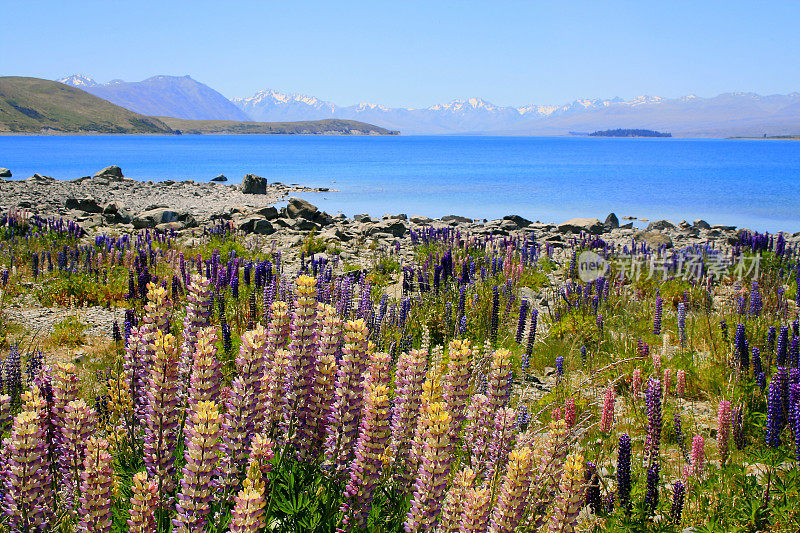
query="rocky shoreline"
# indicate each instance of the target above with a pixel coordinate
(108, 202)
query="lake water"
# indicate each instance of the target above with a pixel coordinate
(747, 183)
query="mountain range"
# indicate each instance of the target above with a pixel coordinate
(725, 115)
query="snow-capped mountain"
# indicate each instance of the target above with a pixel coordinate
(163, 96)
(78, 80)
(724, 115)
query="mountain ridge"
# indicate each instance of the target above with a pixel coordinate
(161, 95)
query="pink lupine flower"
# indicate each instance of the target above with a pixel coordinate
(698, 457)
(569, 411)
(680, 385)
(607, 417)
(636, 382)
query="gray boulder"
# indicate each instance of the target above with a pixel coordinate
(304, 224)
(5, 173)
(109, 172)
(659, 225)
(518, 220)
(418, 219)
(256, 224)
(456, 218)
(612, 222)
(654, 238)
(221, 177)
(577, 225)
(363, 218)
(117, 212)
(252, 184)
(395, 228)
(701, 224)
(162, 215)
(87, 204)
(299, 208)
(270, 213)
(41, 179)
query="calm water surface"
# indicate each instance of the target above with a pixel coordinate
(750, 183)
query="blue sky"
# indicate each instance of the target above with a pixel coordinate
(410, 53)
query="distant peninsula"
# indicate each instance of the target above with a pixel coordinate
(629, 133)
(36, 106)
(329, 126)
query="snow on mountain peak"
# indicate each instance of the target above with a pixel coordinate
(78, 80)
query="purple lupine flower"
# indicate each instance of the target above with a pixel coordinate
(740, 343)
(12, 367)
(599, 321)
(679, 436)
(624, 471)
(523, 315)
(676, 511)
(682, 324)
(771, 336)
(653, 442)
(783, 346)
(651, 494)
(755, 301)
(495, 318)
(591, 480)
(757, 366)
(532, 332)
(774, 413)
(657, 316)
(723, 325)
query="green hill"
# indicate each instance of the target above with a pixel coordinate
(33, 105)
(319, 127)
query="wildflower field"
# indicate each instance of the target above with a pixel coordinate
(475, 384)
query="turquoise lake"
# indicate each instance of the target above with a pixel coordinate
(747, 183)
